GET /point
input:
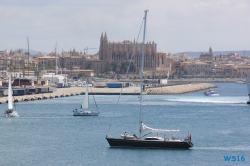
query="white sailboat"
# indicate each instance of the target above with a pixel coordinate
(84, 110)
(126, 140)
(10, 112)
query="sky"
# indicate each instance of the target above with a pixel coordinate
(174, 25)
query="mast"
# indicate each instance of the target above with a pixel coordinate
(142, 66)
(56, 58)
(87, 91)
(28, 56)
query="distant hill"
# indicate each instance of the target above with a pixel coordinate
(197, 54)
(32, 52)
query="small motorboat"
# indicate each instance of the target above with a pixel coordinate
(210, 92)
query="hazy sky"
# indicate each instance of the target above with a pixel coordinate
(175, 25)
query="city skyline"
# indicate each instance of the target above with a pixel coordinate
(175, 26)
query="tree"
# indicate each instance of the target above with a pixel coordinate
(107, 68)
(113, 66)
(89, 65)
(80, 75)
(124, 66)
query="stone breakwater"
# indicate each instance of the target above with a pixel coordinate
(179, 89)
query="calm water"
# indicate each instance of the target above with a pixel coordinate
(46, 133)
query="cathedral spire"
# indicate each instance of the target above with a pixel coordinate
(210, 51)
(101, 37)
(105, 37)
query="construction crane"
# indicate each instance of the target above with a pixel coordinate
(88, 49)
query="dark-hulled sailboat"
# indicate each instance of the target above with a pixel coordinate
(126, 140)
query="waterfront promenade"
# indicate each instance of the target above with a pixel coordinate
(132, 90)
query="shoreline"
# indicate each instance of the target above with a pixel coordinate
(132, 90)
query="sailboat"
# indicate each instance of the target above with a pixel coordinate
(10, 112)
(84, 110)
(126, 140)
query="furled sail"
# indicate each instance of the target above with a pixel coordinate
(145, 128)
(85, 103)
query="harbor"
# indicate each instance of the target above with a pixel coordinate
(132, 90)
(45, 128)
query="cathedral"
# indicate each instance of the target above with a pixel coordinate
(207, 56)
(122, 52)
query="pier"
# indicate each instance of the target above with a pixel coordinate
(179, 89)
(132, 90)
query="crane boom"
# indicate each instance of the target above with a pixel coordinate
(88, 49)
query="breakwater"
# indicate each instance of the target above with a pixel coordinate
(179, 89)
(132, 90)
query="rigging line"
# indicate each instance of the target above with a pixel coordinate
(126, 75)
(94, 99)
(14, 102)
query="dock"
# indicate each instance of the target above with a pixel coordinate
(73, 91)
(132, 90)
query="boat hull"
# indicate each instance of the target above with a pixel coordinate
(118, 142)
(11, 114)
(85, 113)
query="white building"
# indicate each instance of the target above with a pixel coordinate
(54, 79)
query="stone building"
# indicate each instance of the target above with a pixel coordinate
(243, 71)
(198, 68)
(70, 62)
(207, 56)
(120, 52)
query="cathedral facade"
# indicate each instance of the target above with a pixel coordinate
(120, 52)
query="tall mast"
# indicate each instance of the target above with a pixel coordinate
(142, 66)
(28, 55)
(56, 58)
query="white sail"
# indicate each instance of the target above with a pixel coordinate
(10, 102)
(85, 103)
(145, 128)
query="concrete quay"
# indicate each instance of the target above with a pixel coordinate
(179, 89)
(72, 91)
(132, 90)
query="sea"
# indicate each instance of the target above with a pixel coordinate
(47, 133)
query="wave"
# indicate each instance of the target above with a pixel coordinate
(229, 148)
(218, 100)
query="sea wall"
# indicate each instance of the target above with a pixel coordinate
(179, 89)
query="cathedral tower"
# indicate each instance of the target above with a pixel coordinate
(210, 51)
(103, 47)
